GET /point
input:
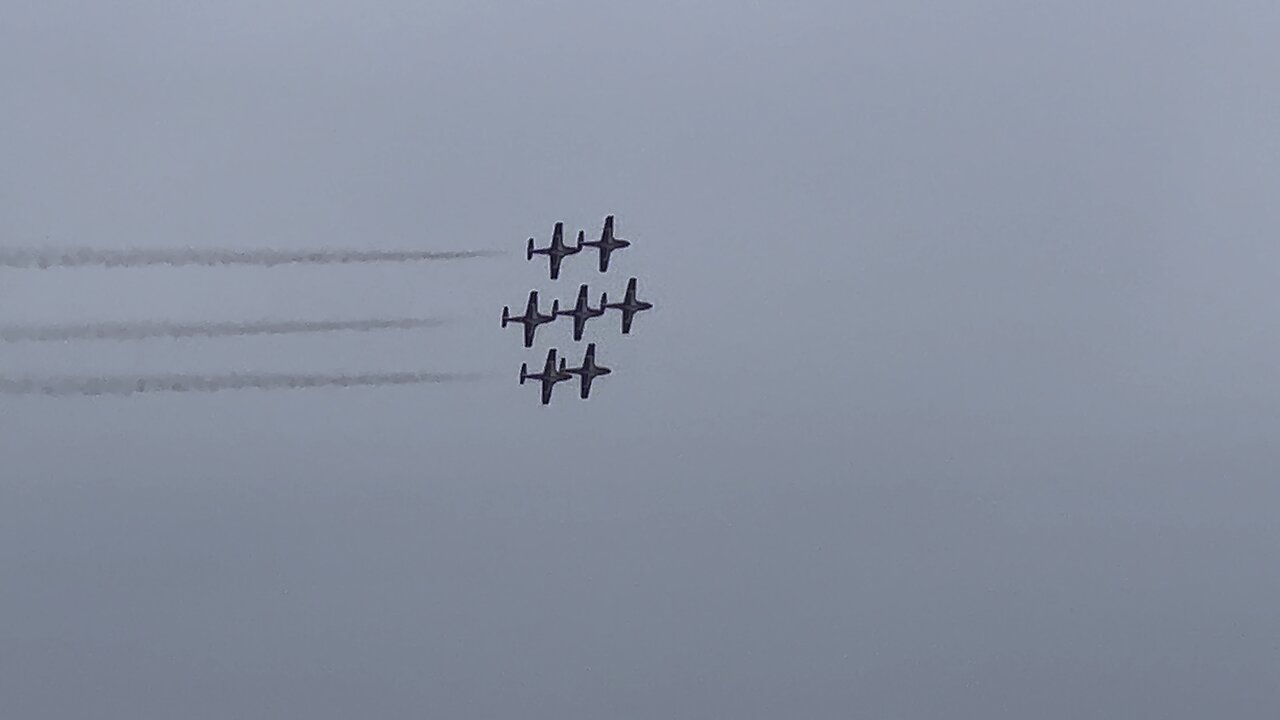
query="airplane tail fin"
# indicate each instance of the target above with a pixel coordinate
(581, 237)
(528, 252)
(506, 315)
(524, 372)
(604, 299)
(563, 364)
(555, 307)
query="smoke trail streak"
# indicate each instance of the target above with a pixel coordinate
(141, 330)
(68, 386)
(45, 258)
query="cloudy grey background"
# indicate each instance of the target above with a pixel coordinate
(960, 398)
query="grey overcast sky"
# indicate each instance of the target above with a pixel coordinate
(960, 398)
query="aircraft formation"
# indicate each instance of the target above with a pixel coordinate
(555, 367)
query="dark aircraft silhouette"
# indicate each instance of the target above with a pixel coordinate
(629, 306)
(549, 376)
(588, 371)
(531, 318)
(556, 251)
(606, 244)
(582, 312)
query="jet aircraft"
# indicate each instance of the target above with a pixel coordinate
(606, 244)
(629, 306)
(588, 371)
(532, 318)
(550, 375)
(556, 251)
(582, 312)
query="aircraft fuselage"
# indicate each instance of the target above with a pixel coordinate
(556, 251)
(532, 317)
(582, 312)
(588, 371)
(550, 375)
(629, 306)
(606, 244)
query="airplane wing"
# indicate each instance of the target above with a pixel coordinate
(546, 391)
(585, 387)
(627, 317)
(529, 329)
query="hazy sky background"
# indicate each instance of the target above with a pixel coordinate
(960, 398)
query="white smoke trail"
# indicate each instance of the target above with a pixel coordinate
(45, 258)
(67, 386)
(141, 330)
